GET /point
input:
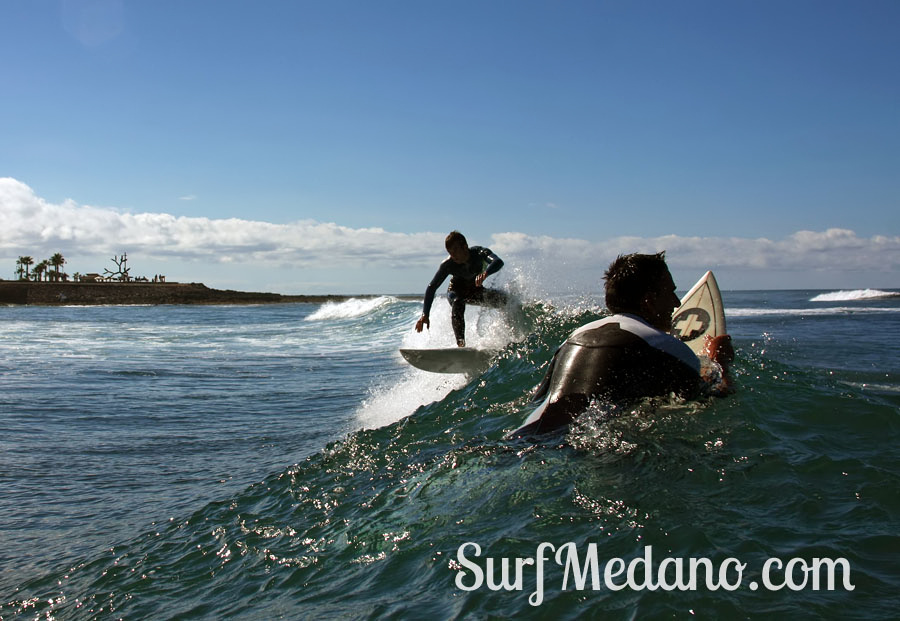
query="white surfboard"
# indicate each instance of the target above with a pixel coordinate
(701, 314)
(450, 359)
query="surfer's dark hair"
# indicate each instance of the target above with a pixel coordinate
(455, 237)
(630, 277)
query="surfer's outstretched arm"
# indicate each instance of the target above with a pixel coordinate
(439, 277)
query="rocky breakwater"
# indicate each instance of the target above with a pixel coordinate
(57, 294)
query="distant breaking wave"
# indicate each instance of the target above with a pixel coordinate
(350, 309)
(800, 312)
(856, 294)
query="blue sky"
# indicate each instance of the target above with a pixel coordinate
(328, 146)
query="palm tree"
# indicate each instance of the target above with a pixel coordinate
(39, 270)
(25, 261)
(57, 261)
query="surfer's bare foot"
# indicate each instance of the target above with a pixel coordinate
(461, 342)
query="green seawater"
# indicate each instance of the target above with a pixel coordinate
(800, 463)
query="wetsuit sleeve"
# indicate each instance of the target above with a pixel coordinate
(494, 263)
(439, 277)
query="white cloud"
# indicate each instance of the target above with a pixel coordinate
(830, 250)
(31, 225)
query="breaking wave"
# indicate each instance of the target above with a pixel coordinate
(855, 294)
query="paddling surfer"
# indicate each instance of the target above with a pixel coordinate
(630, 354)
(467, 267)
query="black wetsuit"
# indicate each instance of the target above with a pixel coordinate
(618, 360)
(462, 289)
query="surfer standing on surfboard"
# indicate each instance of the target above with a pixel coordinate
(630, 354)
(467, 267)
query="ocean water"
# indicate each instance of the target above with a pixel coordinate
(261, 462)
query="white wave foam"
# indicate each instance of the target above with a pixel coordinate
(831, 310)
(395, 400)
(349, 309)
(855, 294)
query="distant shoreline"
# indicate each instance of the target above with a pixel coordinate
(143, 293)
